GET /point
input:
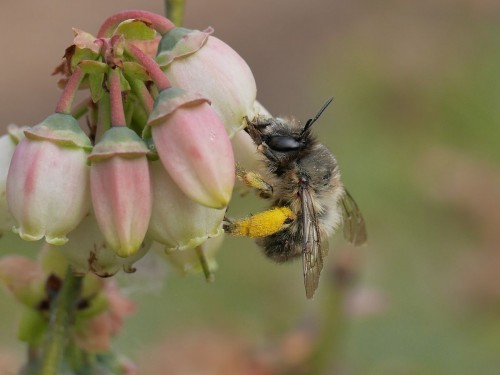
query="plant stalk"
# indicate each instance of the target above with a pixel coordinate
(68, 95)
(174, 9)
(61, 318)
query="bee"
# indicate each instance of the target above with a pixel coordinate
(309, 201)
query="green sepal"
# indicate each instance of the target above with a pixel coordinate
(62, 129)
(169, 100)
(96, 86)
(135, 30)
(129, 104)
(180, 42)
(125, 86)
(32, 326)
(93, 67)
(118, 141)
(82, 54)
(135, 71)
(148, 138)
(139, 117)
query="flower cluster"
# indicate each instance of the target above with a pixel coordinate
(154, 163)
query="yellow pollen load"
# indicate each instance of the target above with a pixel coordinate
(263, 224)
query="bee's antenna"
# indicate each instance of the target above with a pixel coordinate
(311, 121)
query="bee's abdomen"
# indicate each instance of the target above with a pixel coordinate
(284, 245)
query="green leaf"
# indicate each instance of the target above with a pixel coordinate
(96, 87)
(135, 30)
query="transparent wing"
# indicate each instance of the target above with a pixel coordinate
(312, 251)
(354, 224)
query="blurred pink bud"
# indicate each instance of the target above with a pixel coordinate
(87, 251)
(95, 335)
(121, 189)
(24, 278)
(8, 144)
(193, 147)
(198, 62)
(177, 221)
(47, 183)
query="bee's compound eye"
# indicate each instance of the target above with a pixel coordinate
(283, 143)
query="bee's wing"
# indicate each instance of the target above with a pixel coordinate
(312, 251)
(354, 224)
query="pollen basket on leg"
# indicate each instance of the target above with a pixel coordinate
(263, 224)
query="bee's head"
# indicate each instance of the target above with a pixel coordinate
(285, 138)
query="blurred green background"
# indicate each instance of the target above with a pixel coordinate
(415, 126)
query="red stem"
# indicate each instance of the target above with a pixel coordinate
(154, 70)
(161, 24)
(68, 95)
(115, 94)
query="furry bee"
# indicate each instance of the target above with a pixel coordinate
(309, 201)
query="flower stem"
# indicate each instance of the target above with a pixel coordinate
(103, 117)
(154, 70)
(115, 94)
(81, 108)
(159, 23)
(68, 95)
(174, 9)
(62, 315)
(209, 275)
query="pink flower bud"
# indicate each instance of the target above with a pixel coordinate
(121, 190)
(47, 183)
(193, 147)
(177, 221)
(198, 62)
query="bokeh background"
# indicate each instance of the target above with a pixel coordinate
(415, 126)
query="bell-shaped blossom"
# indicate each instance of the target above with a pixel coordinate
(188, 261)
(193, 147)
(47, 183)
(121, 189)
(198, 62)
(177, 221)
(87, 251)
(8, 144)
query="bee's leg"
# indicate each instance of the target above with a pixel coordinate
(268, 153)
(262, 224)
(254, 180)
(254, 127)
